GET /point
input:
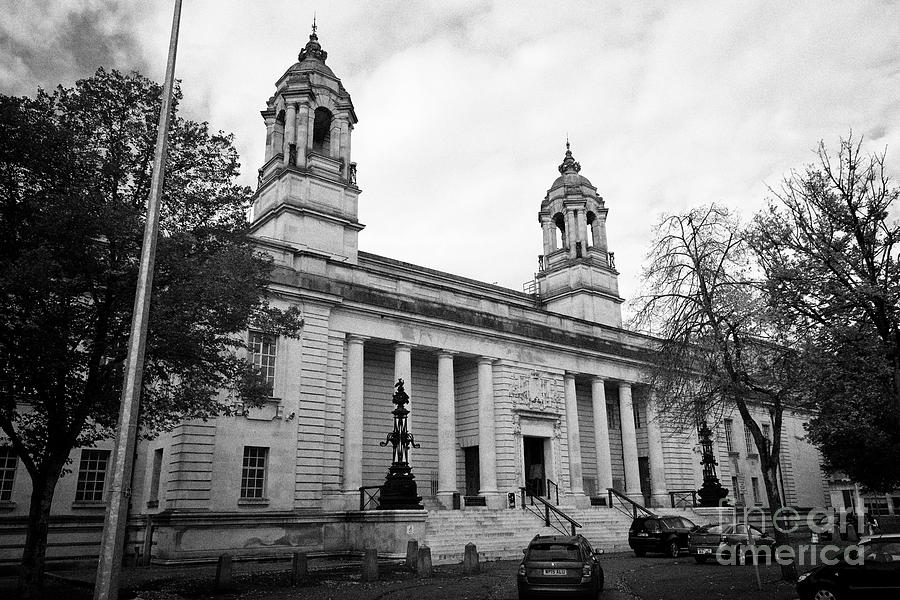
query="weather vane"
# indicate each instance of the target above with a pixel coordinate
(314, 22)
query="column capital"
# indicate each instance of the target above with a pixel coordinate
(598, 379)
(447, 353)
(355, 338)
(486, 360)
(402, 346)
(568, 375)
(626, 384)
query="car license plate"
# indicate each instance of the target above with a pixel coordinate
(643, 534)
(556, 572)
(704, 550)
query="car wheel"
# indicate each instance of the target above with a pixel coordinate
(826, 593)
(701, 559)
(640, 553)
(672, 549)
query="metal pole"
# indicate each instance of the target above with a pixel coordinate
(112, 544)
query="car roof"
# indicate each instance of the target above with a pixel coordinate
(558, 539)
(882, 537)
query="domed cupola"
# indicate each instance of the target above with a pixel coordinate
(307, 193)
(577, 273)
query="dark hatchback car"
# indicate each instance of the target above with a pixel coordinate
(877, 577)
(556, 566)
(720, 541)
(669, 535)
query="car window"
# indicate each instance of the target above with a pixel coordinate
(551, 551)
(687, 523)
(669, 523)
(714, 529)
(756, 532)
(878, 551)
(646, 525)
(740, 530)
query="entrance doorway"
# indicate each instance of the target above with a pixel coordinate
(644, 472)
(535, 473)
(473, 473)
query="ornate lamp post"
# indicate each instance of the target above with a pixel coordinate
(711, 493)
(399, 490)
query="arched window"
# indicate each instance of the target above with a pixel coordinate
(591, 234)
(560, 231)
(322, 131)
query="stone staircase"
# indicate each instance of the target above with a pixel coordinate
(504, 533)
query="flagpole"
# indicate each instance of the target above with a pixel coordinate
(109, 565)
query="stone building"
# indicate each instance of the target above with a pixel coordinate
(537, 389)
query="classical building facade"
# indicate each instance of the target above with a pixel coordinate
(508, 389)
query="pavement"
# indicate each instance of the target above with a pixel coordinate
(627, 578)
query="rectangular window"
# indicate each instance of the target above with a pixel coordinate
(612, 415)
(748, 441)
(636, 409)
(263, 349)
(767, 433)
(253, 472)
(729, 435)
(155, 475)
(91, 475)
(8, 462)
(754, 484)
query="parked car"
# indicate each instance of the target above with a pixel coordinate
(723, 540)
(668, 535)
(560, 565)
(877, 577)
(825, 523)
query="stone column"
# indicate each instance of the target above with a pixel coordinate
(573, 436)
(302, 134)
(353, 418)
(335, 138)
(581, 223)
(269, 117)
(403, 370)
(347, 151)
(549, 235)
(487, 444)
(657, 461)
(629, 443)
(601, 435)
(571, 235)
(290, 130)
(446, 430)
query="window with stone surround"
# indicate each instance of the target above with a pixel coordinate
(263, 353)
(612, 416)
(729, 435)
(8, 462)
(91, 475)
(636, 409)
(748, 441)
(253, 473)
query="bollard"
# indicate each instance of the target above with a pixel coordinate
(470, 559)
(370, 565)
(299, 568)
(223, 572)
(423, 566)
(412, 554)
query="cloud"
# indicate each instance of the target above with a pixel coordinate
(464, 105)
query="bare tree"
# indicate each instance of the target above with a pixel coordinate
(720, 347)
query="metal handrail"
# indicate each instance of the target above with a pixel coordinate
(367, 498)
(548, 508)
(682, 494)
(555, 489)
(635, 507)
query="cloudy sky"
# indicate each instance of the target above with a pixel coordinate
(464, 106)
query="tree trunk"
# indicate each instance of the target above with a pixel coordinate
(31, 576)
(770, 479)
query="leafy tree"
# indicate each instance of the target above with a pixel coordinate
(719, 346)
(75, 170)
(828, 245)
